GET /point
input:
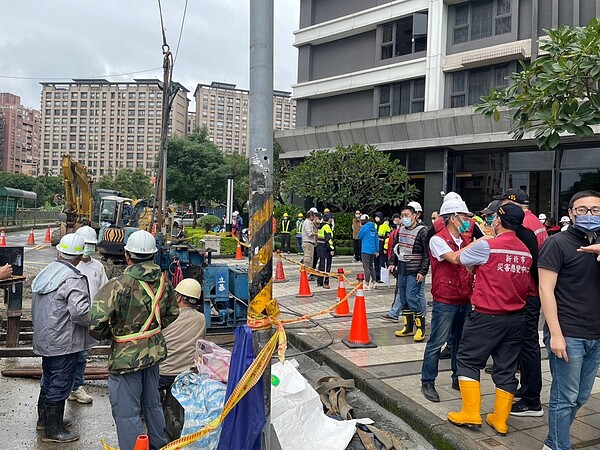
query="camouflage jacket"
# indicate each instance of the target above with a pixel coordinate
(122, 306)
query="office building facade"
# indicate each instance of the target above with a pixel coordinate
(404, 75)
(106, 125)
(224, 111)
(19, 136)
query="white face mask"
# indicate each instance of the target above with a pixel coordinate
(89, 249)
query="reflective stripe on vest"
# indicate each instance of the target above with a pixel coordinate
(285, 226)
(145, 332)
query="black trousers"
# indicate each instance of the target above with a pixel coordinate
(285, 242)
(499, 336)
(324, 263)
(530, 358)
(357, 249)
(58, 376)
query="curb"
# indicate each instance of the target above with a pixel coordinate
(440, 433)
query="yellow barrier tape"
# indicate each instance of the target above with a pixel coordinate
(243, 244)
(254, 372)
(311, 271)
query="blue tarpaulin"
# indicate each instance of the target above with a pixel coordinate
(241, 428)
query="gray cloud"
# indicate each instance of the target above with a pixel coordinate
(82, 38)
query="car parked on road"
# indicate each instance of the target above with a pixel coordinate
(188, 219)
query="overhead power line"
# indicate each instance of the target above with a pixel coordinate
(14, 77)
(180, 31)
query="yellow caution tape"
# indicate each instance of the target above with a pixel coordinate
(254, 372)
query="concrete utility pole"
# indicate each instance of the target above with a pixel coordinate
(260, 271)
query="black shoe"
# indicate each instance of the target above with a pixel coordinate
(446, 353)
(455, 385)
(428, 390)
(521, 409)
(54, 429)
(41, 406)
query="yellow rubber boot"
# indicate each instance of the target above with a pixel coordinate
(420, 325)
(470, 415)
(502, 406)
(409, 322)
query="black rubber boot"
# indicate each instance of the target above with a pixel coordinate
(54, 430)
(40, 407)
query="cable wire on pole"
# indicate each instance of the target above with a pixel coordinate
(180, 32)
(15, 77)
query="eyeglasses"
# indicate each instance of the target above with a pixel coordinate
(583, 210)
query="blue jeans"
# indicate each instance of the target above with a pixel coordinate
(80, 369)
(299, 242)
(407, 298)
(445, 319)
(422, 299)
(571, 387)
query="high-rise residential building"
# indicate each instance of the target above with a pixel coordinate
(19, 136)
(191, 122)
(223, 110)
(107, 125)
(404, 76)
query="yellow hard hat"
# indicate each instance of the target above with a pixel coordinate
(326, 210)
(190, 288)
(285, 214)
(300, 215)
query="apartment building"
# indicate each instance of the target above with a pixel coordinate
(19, 136)
(403, 75)
(107, 125)
(223, 110)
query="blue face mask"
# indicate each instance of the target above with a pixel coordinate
(407, 221)
(464, 227)
(587, 223)
(489, 220)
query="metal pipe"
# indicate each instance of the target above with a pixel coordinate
(261, 184)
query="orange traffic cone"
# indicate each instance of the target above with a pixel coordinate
(359, 330)
(47, 238)
(238, 251)
(154, 229)
(31, 238)
(142, 443)
(304, 285)
(279, 275)
(2, 238)
(342, 309)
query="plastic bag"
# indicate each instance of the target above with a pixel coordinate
(384, 275)
(212, 360)
(202, 399)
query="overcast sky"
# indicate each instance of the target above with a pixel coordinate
(68, 39)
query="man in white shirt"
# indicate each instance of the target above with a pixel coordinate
(96, 277)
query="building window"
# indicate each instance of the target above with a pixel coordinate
(404, 36)
(402, 98)
(481, 19)
(469, 86)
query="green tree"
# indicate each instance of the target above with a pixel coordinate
(45, 186)
(351, 177)
(558, 92)
(237, 165)
(195, 170)
(131, 183)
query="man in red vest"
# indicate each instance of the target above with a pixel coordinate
(530, 358)
(451, 287)
(495, 326)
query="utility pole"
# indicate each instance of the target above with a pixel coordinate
(260, 271)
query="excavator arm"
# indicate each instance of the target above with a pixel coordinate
(78, 192)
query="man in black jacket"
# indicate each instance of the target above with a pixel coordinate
(410, 259)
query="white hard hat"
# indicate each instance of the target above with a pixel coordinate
(565, 219)
(416, 206)
(105, 211)
(313, 209)
(88, 234)
(236, 213)
(141, 243)
(542, 216)
(71, 244)
(452, 196)
(189, 287)
(454, 207)
(364, 217)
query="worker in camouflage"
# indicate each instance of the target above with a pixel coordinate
(132, 310)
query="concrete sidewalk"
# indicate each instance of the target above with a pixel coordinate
(391, 373)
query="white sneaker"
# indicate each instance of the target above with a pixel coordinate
(80, 396)
(545, 447)
(366, 287)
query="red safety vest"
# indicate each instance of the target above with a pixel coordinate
(501, 283)
(450, 283)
